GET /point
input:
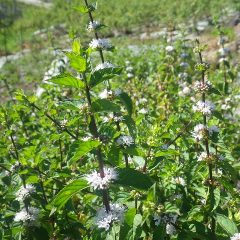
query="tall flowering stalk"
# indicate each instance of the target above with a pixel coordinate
(202, 131)
(101, 44)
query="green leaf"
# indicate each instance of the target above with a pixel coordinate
(66, 79)
(129, 216)
(77, 61)
(127, 101)
(68, 191)
(76, 46)
(103, 75)
(80, 148)
(104, 105)
(228, 225)
(81, 9)
(132, 178)
(213, 199)
(215, 91)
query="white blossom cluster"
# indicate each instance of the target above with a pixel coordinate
(184, 64)
(206, 108)
(129, 70)
(169, 49)
(183, 75)
(24, 192)
(179, 181)
(202, 87)
(236, 236)
(169, 220)
(113, 117)
(125, 140)
(93, 26)
(202, 157)
(106, 94)
(101, 43)
(118, 91)
(104, 219)
(223, 52)
(186, 90)
(97, 182)
(29, 217)
(15, 167)
(104, 65)
(200, 131)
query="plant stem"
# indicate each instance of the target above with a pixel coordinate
(98, 151)
(210, 166)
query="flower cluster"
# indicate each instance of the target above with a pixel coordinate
(236, 236)
(92, 26)
(202, 87)
(101, 43)
(104, 65)
(25, 192)
(29, 217)
(206, 108)
(200, 131)
(104, 219)
(97, 182)
(169, 220)
(125, 140)
(180, 181)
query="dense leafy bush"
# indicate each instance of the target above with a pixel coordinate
(145, 148)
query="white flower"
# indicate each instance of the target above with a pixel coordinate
(206, 108)
(130, 75)
(236, 236)
(180, 181)
(202, 157)
(201, 87)
(24, 192)
(221, 157)
(157, 219)
(29, 217)
(199, 132)
(104, 219)
(93, 25)
(105, 94)
(222, 60)
(143, 111)
(223, 51)
(113, 117)
(15, 167)
(129, 69)
(183, 75)
(97, 182)
(118, 91)
(104, 65)
(165, 146)
(184, 55)
(170, 229)
(125, 140)
(169, 49)
(101, 43)
(184, 64)
(213, 129)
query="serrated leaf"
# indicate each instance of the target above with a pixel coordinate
(80, 148)
(77, 61)
(132, 178)
(228, 225)
(68, 191)
(104, 105)
(103, 75)
(67, 80)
